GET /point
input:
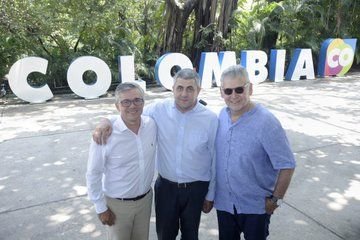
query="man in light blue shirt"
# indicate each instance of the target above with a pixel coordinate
(254, 161)
(185, 158)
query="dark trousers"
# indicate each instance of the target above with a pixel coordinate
(254, 226)
(178, 206)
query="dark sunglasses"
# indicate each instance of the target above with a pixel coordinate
(238, 90)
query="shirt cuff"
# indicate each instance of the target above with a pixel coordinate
(100, 206)
(210, 196)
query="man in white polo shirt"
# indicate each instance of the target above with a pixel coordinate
(120, 172)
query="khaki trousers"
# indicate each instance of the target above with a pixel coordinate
(132, 218)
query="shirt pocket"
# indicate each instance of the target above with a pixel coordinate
(198, 141)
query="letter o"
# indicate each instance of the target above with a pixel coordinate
(75, 77)
(165, 63)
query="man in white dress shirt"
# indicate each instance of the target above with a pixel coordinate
(185, 158)
(120, 172)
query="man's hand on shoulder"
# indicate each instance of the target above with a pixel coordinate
(102, 131)
(107, 217)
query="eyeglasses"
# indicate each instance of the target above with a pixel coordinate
(238, 90)
(135, 101)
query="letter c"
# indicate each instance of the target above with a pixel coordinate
(18, 83)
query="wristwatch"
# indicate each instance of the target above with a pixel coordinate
(276, 200)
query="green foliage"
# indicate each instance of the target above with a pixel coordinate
(251, 25)
(61, 31)
(297, 23)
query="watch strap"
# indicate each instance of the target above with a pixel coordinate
(276, 200)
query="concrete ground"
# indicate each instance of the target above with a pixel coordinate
(44, 151)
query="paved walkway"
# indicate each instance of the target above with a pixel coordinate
(44, 151)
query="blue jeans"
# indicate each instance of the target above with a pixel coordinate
(178, 206)
(254, 226)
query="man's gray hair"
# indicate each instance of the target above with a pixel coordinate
(123, 87)
(236, 71)
(188, 74)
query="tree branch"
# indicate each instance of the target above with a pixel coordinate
(43, 46)
(79, 38)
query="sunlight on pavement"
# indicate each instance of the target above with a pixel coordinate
(60, 217)
(300, 222)
(339, 201)
(353, 191)
(80, 190)
(88, 228)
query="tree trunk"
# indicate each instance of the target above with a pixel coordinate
(271, 37)
(227, 8)
(204, 18)
(177, 14)
(338, 19)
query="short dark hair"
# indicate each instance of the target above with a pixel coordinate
(188, 74)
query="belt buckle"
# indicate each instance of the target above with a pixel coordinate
(182, 185)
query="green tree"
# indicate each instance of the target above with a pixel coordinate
(292, 24)
(63, 30)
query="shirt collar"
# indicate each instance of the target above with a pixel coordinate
(196, 108)
(119, 123)
(250, 112)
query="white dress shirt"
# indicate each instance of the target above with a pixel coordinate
(124, 166)
(186, 143)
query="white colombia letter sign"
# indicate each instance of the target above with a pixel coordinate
(75, 77)
(277, 65)
(212, 66)
(127, 71)
(255, 63)
(126, 68)
(164, 65)
(18, 83)
(300, 65)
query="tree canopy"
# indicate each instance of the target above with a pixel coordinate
(61, 30)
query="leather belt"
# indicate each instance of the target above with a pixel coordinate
(134, 198)
(179, 185)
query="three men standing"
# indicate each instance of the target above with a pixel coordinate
(254, 162)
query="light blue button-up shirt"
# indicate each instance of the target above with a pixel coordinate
(249, 152)
(186, 143)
